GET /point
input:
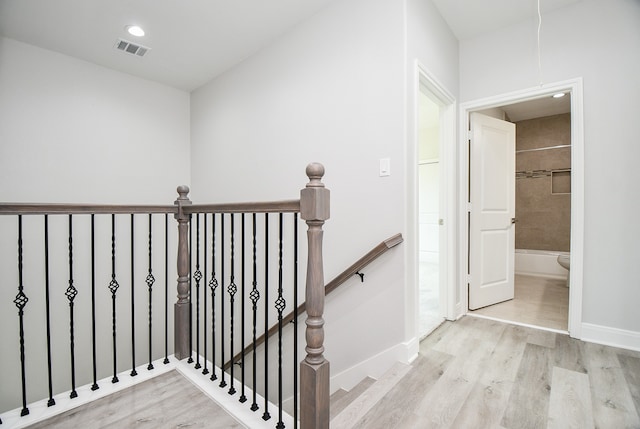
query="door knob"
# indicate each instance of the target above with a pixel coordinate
(514, 220)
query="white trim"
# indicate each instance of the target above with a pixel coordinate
(39, 411)
(574, 86)
(448, 107)
(611, 336)
(376, 365)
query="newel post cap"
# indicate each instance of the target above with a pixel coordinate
(314, 198)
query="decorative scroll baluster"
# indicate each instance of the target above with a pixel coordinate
(232, 289)
(94, 386)
(150, 280)
(20, 301)
(182, 308)
(197, 276)
(295, 321)
(243, 397)
(205, 370)
(255, 296)
(166, 288)
(133, 372)
(314, 369)
(223, 383)
(51, 401)
(213, 285)
(280, 305)
(113, 287)
(71, 293)
(266, 415)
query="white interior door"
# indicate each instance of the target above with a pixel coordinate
(492, 233)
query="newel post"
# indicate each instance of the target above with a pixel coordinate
(314, 369)
(182, 308)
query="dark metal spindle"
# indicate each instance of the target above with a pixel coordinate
(166, 288)
(133, 372)
(190, 360)
(205, 370)
(280, 305)
(20, 301)
(243, 397)
(197, 276)
(213, 285)
(150, 280)
(255, 296)
(51, 401)
(113, 287)
(223, 383)
(295, 320)
(94, 386)
(232, 289)
(71, 293)
(266, 415)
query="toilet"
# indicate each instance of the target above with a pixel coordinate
(564, 260)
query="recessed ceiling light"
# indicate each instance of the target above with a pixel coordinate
(134, 30)
(558, 95)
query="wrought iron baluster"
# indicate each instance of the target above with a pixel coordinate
(232, 289)
(223, 383)
(255, 296)
(51, 401)
(166, 288)
(280, 305)
(113, 288)
(295, 321)
(190, 360)
(133, 372)
(93, 303)
(266, 415)
(150, 280)
(205, 370)
(21, 301)
(71, 293)
(197, 276)
(213, 284)
(243, 397)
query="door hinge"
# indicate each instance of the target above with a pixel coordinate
(440, 222)
(469, 134)
(469, 207)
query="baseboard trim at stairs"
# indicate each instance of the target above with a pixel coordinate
(376, 365)
(370, 397)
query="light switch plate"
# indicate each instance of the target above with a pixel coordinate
(385, 167)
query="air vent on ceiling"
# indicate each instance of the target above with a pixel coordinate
(131, 48)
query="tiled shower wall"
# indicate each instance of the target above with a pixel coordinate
(543, 207)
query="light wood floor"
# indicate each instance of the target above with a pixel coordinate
(480, 373)
(538, 301)
(166, 401)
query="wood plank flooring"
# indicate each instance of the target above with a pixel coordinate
(166, 401)
(538, 301)
(480, 373)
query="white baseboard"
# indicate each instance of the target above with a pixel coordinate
(610, 336)
(376, 365)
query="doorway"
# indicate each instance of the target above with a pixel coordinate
(435, 198)
(533, 98)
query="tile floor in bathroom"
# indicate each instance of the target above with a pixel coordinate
(538, 301)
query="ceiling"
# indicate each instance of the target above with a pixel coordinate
(193, 41)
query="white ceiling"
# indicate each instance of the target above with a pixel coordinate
(193, 41)
(470, 18)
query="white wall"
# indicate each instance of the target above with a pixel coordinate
(103, 136)
(333, 90)
(598, 41)
(71, 131)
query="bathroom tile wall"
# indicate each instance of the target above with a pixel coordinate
(544, 218)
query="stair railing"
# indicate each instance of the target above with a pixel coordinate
(313, 207)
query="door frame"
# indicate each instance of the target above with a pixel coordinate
(448, 197)
(574, 87)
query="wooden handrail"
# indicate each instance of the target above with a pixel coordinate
(56, 208)
(287, 206)
(329, 287)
